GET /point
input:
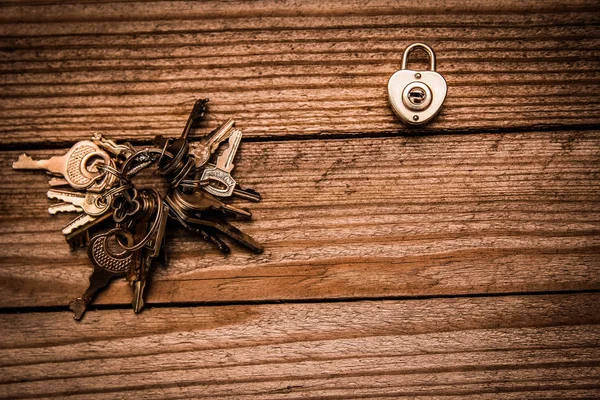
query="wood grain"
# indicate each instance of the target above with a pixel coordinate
(353, 218)
(457, 260)
(132, 70)
(511, 347)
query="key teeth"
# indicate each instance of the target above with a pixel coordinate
(80, 240)
(78, 306)
(23, 158)
(219, 244)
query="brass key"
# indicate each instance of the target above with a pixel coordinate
(206, 147)
(76, 166)
(93, 204)
(107, 265)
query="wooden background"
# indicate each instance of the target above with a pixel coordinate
(459, 259)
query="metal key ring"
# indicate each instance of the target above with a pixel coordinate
(175, 161)
(86, 159)
(187, 167)
(118, 232)
(111, 170)
(164, 151)
(116, 190)
(155, 224)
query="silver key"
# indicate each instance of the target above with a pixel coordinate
(75, 166)
(221, 171)
(206, 147)
(63, 207)
(84, 219)
(91, 203)
(79, 222)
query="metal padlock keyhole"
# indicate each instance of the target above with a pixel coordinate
(417, 96)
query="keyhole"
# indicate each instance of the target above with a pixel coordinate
(417, 95)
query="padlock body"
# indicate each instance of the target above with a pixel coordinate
(437, 90)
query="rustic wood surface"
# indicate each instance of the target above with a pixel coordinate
(460, 259)
(355, 218)
(509, 347)
(290, 69)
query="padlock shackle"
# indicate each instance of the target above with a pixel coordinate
(415, 46)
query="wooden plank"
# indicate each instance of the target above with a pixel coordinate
(353, 218)
(132, 70)
(507, 347)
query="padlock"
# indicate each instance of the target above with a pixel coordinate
(417, 96)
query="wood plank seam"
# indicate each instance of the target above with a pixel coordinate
(403, 131)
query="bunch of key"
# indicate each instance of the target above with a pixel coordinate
(124, 226)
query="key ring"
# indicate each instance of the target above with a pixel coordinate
(139, 217)
(155, 224)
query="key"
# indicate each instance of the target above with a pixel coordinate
(91, 203)
(238, 191)
(203, 149)
(107, 265)
(215, 223)
(204, 231)
(81, 236)
(140, 230)
(151, 251)
(246, 194)
(137, 273)
(198, 111)
(80, 221)
(96, 209)
(63, 207)
(179, 149)
(74, 166)
(121, 151)
(139, 161)
(221, 171)
(224, 227)
(58, 182)
(208, 236)
(149, 230)
(200, 202)
(126, 206)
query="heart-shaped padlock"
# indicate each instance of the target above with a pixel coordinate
(417, 96)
